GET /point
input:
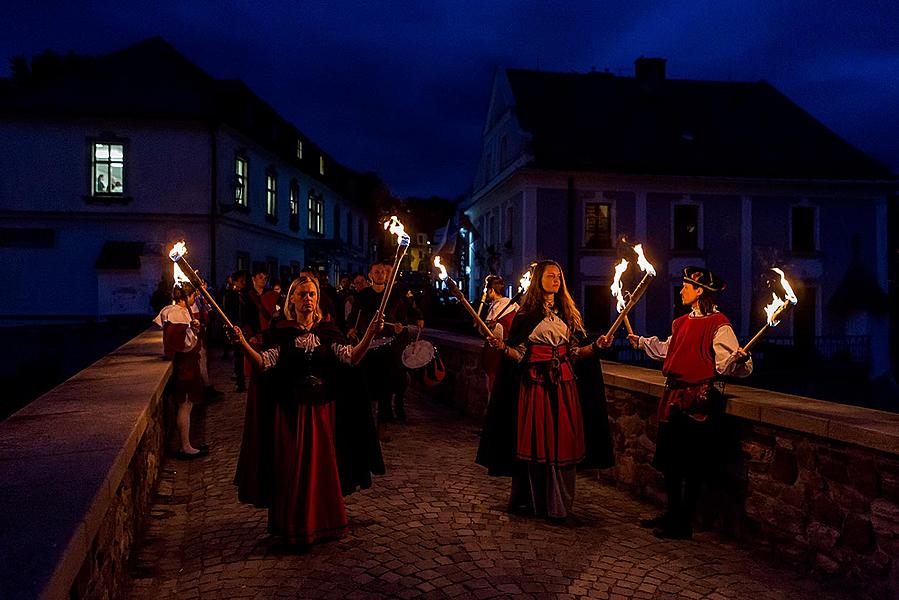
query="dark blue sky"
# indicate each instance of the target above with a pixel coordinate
(402, 87)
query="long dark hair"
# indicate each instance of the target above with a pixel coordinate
(183, 291)
(533, 298)
(708, 302)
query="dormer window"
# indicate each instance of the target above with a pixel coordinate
(300, 149)
(321, 165)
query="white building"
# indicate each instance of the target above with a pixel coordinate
(733, 176)
(107, 161)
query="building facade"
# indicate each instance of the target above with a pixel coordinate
(731, 176)
(112, 159)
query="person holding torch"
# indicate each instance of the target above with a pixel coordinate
(325, 444)
(547, 413)
(702, 347)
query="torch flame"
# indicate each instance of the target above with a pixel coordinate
(178, 250)
(525, 282)
(396, 228)
(644, 264)
(616, 287)
(776, 302)
(443, 274)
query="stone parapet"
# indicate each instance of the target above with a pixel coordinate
(77, 471)
(816, 483)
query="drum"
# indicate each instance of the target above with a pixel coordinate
(424, 363)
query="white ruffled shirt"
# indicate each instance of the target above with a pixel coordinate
(307, 341)
(178, 315)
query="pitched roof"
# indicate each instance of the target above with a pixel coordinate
(152, 80)
(602, 122)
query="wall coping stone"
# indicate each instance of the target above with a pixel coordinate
(865, 427)
(62, 458)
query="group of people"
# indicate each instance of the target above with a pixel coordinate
(325, 374)
(547, 411)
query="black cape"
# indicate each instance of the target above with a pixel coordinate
(355, 436)
(497, 449)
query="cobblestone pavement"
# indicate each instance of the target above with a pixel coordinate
(433, 527)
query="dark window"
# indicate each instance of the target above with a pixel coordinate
(361, 227)
(272, 264)
(294, 202)
(349, 229)
(242, 262)
(240, 181)
(686, 227)
(336, 222)
(597, 225)
(803, 225)
(597, 304)
(20, 237)
(108, 169)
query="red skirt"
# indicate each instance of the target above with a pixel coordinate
(550, 423)
(307, 503)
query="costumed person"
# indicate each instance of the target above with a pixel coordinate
(702, 347)
(383, 365)
(547, 414)
(324, 441)
(499, 319)
(181, 344)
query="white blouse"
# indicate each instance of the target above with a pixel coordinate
(307, 341)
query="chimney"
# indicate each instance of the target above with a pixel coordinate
(650, 72)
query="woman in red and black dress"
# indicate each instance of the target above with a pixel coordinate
(325, 445)
(547, 414)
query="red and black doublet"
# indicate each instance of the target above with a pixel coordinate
(181, 345)
(323, 440)
(691, 405)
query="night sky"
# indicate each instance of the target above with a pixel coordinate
(402, 88)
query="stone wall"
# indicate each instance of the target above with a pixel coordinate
(78, 467)
(815, 483)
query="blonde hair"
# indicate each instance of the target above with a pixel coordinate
(289, 310)
(533, 298)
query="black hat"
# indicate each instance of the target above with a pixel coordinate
(496, 282)
(702, 277)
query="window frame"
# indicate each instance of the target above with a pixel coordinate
(699, 225)
(816, 243)
(271, 195)
(241, 182)
(293, 202)
(107, 197)
(611, 205)
(315, 224)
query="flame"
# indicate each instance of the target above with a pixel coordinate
(396, 228)
(443, 274)
(772, 310)
(178, 250)
(616, 287)
(644, 264)
(525, 282)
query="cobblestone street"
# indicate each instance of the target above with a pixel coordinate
(433, 527)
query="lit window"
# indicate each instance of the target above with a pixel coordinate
(597, 225)
(271, 194)
(240, 181)
(294, 201)
(108, 169)
(299, 148)
(321, 165)
(316, 207)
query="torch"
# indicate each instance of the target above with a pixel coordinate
(776, 309)
(483, 295)
(403, 240)
(649, 272)
(454, 289)
(184, 272)
(619, 294)
(523, 284)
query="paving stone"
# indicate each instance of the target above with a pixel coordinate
(433, 527)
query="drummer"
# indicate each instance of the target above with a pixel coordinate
(382, 364)
(499, 320)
